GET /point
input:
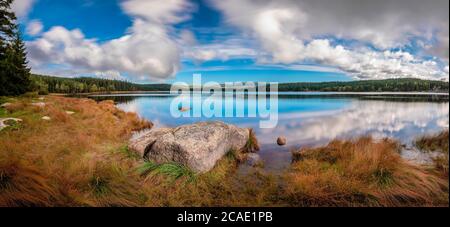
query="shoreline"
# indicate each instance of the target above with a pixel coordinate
(306, 93)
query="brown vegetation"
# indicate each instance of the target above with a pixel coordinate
(436, 143)
(363, 172)
(82, 160)
(69, 160)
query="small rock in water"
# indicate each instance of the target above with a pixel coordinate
(254, 160)
(281, 141)
(46, 118)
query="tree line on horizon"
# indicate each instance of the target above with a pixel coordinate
(49, 84)
(388, 85)
(14, 72)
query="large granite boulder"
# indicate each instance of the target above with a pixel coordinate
(198, 146)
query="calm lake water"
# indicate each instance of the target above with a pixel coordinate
(313, 119)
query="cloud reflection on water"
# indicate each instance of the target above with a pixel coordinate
(313, 121)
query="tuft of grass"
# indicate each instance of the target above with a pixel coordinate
(22, 184)
(173, 171)
(436, 143)
(129, 154)
(3, 112)
(16, 106)
(236, 156)
(252, 144)
(99, 185)
(33, 94)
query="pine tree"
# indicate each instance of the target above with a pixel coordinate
(5, 32)
(14, 73)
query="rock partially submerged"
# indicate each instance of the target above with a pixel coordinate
(198, 146)
(281, 141)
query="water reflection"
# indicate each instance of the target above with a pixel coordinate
(315, 119)
(404, 121)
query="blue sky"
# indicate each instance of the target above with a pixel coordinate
(236, 40)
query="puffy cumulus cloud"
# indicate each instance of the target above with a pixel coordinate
(369, 64)
(288, 31)
(384, 23)
(34, 27)
(22, 7)
(146, 52)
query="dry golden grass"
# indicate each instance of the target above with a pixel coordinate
(436, 143)
(363, 172)
(71, 160)
(252, 144)
(82, 160)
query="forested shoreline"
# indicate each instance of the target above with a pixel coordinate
(49, 84)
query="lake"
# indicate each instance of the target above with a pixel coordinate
(313, 119)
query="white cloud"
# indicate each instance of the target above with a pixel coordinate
(22, 7)
(225, 50)
(187, 38)
(384, 23)
(146, 52)
(112, 75)
(440, 47)
(160, 11)
(34, 28)
(288, 31)
(368, 64)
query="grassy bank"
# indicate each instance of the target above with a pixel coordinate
(81, 159)
(439, 144)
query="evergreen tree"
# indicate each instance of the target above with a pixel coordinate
(14, 73)
(5, 32)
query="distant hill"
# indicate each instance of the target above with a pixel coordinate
(392, 85)
(48, 84)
